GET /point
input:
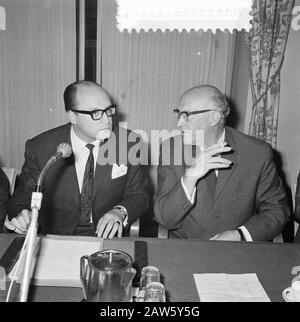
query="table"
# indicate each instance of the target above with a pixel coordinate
(178, 259)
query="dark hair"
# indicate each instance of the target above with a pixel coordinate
(70, 92)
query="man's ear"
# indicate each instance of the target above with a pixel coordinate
(72, 117)
(215, 118)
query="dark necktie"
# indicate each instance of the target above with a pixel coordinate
(86, 196)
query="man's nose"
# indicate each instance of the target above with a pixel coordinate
(105, 118)
(180, 121)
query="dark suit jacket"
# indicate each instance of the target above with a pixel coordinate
(4, 196)
(249, 193)
(60, 210)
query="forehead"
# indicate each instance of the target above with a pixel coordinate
(90, 98)
(194, 102)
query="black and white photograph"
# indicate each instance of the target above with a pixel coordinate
(149, 152)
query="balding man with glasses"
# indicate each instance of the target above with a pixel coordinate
(226, 186)
(81, 194)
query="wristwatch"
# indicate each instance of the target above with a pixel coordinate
(123, 212)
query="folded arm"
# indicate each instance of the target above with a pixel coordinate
(172, 203)
(175, 196)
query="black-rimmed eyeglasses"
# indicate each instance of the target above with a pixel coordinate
(178, 114)
(98, 114)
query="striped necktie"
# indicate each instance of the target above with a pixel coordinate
(86, 197)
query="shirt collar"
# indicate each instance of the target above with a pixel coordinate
(222, 137)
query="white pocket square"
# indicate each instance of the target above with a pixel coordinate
(118, 171)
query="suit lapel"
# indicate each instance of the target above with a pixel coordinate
(175, 151)
(225, 174)
(103, 172)
(102, 177)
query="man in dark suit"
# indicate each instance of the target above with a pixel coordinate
(230, 190)
(81, 194)
(4, 196)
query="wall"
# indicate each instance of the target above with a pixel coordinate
(289, 115)
(37, 61)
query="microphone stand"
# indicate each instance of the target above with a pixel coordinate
(36, 202)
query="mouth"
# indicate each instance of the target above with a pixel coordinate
(105, 128)
(103, 134)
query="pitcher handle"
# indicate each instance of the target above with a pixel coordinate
(83, 273)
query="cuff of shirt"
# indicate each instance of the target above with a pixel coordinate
(125, 221)
(246, 233)
(191, 198)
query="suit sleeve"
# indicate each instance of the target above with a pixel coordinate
(297, 199)
(272, 210)
(4, 197)
(21, 198)
(171, 202)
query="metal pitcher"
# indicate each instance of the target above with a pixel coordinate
(106, 276)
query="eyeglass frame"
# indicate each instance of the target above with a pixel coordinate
(98, 110)
(187, 114)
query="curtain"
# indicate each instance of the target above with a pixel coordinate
(266, 43)
(37, 62)
(147, 72)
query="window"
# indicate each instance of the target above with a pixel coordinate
(86, 39)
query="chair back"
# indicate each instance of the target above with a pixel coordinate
(11, 174)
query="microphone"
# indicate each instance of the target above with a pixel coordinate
(63, 150)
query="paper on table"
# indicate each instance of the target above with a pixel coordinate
(230, 288)
(58, 261)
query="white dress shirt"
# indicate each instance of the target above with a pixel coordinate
(191, 197)
(81, 154)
